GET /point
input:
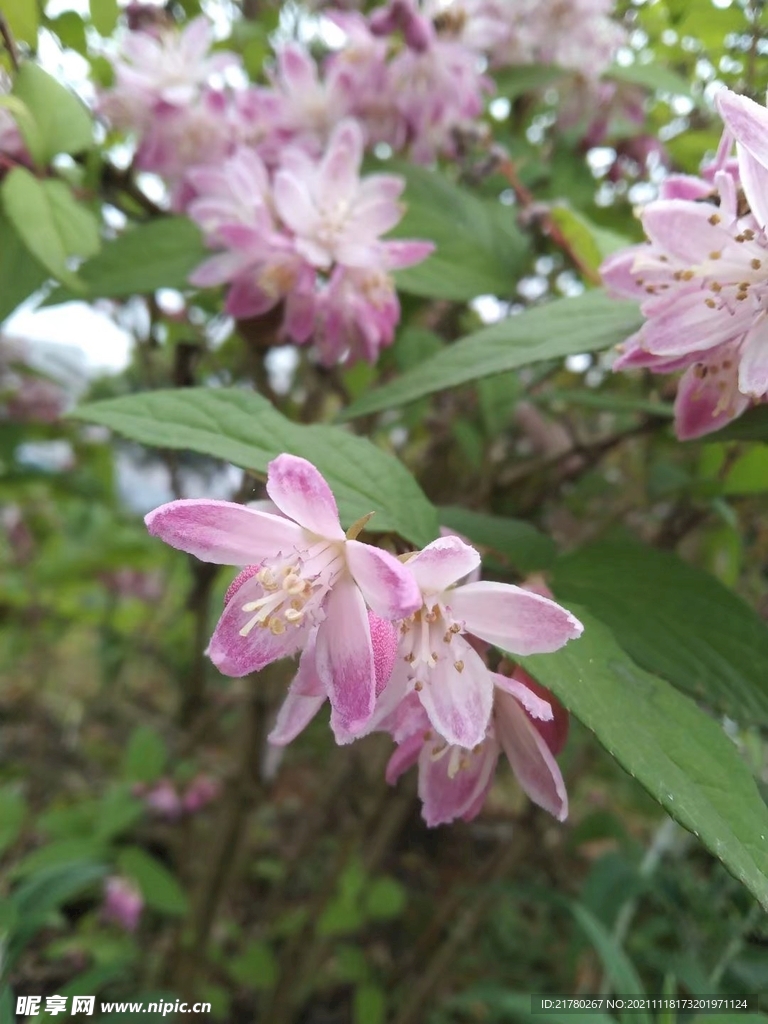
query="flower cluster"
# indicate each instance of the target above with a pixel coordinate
(701, 278)
(395, 645)
(271, 172)
(308, 236)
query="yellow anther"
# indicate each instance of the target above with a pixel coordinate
(276, 626)
(459, 666)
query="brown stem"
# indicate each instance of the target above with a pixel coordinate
(199, 602)
(239, 797)
(427, 977)
(9, 41)
(535, 211)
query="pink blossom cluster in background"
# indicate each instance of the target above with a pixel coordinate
(271, 173)
(701, 276)
(308, 235)
(26, 396)
(165, 800)
(395, 645)
(123, 903)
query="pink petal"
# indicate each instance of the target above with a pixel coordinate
(695, 407)
(459, 701)
(405, 253)
(747, 120)
(384, 638)
(532, 762)
(512, 618)
(685, 186)
(535, 706)
(444, 798)
(301, 493)
(388, 586)
(691, 326)
(221, 531)
(405, 756)
(245, 299)
(442, 563)
(683, 229)
(297, 69)
(553, 730)
(236, 655)
(345, 660)
(753, 366)
(306, 695)
(754, 181)
(619, 275)
(218, 269)
(294, 203)
(337, 179)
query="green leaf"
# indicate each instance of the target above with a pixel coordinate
(104, 15)
(58, 854)
(23, 20)
(369, 1005)
(13, 810)
(526, 548)
(656, 77)
(77, 226)
(385, 898)
(617, 965)
(505, 1005)
(256, 967)
(517, 81)
(47, 890)
(245, 429)
(145, 756)
(674, 620)
(610, 400)
(678, 753)
(478, 244)
(589, 243)
(159, 254)
(43, 223)
(62, 120)
(566, 326)
(26, 124)
(118, 810)
(749, 474)
(158, 886)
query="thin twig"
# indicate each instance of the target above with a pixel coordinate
(536, 211)
(9, 41)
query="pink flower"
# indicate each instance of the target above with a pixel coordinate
(177, 138)
(234, 208)
(201, 791)
(310, 105)
(527, 725)
(307, 693)
(334, 215)
(305, 579)
(123, 903)
(701, 281)
(163, 800)
(169, 66)
(436, 659)
(357, 313)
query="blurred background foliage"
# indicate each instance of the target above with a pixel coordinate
(308, 890)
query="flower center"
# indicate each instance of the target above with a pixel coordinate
(459, 759)
(293, 589)
(426, 637)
